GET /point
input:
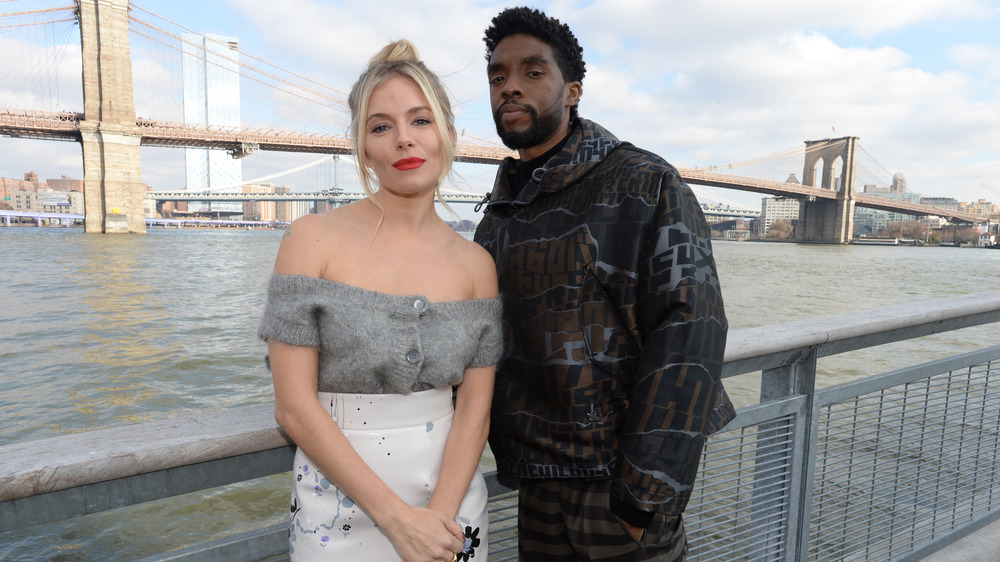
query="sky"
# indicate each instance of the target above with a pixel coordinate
(700, 83)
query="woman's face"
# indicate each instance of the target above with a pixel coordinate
(402, 143)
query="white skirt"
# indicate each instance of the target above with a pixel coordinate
(402, 438)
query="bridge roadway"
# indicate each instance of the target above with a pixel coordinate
(712, 210)
(317, 196)
(242, 141)
(235, 140)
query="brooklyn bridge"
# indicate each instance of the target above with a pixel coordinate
(111, 134)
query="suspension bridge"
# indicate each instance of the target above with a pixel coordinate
(137, 64)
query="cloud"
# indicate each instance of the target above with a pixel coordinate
(701, 83)
(977, 59)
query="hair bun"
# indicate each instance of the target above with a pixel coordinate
(397, 51)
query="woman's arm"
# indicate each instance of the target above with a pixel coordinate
(473, 398)
(466, 439)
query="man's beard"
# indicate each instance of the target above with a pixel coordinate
(542, 127)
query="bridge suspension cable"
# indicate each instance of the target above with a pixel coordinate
(316, 104)
(34, 44)
(754, 161)
(295, 90)
(242, 52)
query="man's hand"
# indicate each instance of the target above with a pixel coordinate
(636, 532)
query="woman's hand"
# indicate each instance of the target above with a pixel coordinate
(425, 535)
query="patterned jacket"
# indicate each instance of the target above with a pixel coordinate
(613, 322)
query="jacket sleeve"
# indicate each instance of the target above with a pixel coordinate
(676, 398)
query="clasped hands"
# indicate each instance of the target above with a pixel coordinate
(422, 534)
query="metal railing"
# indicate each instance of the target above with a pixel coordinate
(891, 467)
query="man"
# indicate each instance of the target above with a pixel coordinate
(613, 315)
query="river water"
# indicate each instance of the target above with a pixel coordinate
(98, 331)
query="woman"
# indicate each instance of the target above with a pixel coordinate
(380, 309)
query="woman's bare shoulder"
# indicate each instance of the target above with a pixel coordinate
(310, 242)
(482, 270)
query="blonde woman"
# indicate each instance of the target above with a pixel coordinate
(381, 310)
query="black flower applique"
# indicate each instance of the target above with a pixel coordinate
(471, 542)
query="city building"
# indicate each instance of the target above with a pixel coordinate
(211, 81)
(65, 183)
(287, 211)
(982, 208)
(8, 186)
(943, 203)
(871, 221)
(898, 183)
(47, 200)
(777, 208)
(259, 210)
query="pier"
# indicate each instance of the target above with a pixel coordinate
(895, 466)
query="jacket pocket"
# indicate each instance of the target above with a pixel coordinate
(606, 338)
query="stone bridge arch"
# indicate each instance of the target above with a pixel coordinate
(829, 221)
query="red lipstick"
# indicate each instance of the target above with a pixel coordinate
(408, 163)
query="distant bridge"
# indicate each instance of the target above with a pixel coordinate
(111, 133)
(316, 196)
(237, 141)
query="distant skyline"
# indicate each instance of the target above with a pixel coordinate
(918, 81)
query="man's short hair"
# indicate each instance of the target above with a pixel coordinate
(569, 53)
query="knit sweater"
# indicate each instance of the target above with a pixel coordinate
(377, 343)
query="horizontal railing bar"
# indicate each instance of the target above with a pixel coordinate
(849, 391)
(121, 492)
(56, 463)
(769, 347)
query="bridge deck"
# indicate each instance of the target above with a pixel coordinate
(241, 141)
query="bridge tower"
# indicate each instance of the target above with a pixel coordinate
(830, 221)
(113, 192)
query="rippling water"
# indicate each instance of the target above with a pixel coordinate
(98, 331)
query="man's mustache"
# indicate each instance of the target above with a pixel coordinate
(500, 108)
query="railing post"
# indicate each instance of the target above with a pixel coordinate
(780, 491)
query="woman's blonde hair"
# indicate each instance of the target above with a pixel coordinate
(399, 59)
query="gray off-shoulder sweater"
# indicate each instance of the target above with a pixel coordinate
(377, 343)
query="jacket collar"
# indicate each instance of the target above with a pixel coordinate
(588, 144)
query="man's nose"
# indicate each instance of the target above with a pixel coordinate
(511, 88)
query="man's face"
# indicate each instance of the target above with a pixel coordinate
(529, 97)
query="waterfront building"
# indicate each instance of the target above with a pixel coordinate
(871, 221)
(30, 183)
(211, 81)
(65, 183)
(777, 208)
(47, 200)
(287, 211)
(983, 208)
(260, 210)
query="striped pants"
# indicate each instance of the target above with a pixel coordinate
(570, 521)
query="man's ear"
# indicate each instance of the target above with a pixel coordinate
(574, 91)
